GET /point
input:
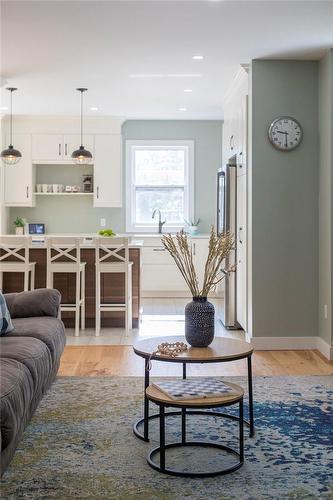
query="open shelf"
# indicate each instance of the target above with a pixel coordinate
(64, 194)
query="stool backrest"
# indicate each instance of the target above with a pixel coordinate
(63, 249)
(111, 249)
(15, 248)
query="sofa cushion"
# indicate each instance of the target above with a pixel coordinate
(16, 394)
(49, 330)
(32, 353)
(5, 319)
(41, 302)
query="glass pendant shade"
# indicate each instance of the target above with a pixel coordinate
(81, 156)
(10, 155)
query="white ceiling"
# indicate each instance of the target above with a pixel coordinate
(49, 48)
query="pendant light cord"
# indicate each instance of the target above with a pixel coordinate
(82, 117)
(11, 117)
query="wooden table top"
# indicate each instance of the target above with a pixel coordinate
(221, 349)
(154, 394)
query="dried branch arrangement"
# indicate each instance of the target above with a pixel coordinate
(218, 249)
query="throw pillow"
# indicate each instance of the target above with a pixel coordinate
(6, 325)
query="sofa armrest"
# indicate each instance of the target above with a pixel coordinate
(40, 302)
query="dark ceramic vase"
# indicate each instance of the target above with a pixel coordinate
(199, 322)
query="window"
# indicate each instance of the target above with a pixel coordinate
(159, 176)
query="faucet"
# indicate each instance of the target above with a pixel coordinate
(160, 223)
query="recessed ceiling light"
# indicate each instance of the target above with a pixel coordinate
(188, 90)
(197, 57)
(182, 109)
(4, 108)
(93, 108)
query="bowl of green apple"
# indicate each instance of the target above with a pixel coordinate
(106, 232)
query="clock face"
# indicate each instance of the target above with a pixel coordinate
(285, 133)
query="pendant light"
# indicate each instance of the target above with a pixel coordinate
(11, 156)
(81, 156)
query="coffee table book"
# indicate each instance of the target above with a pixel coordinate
(198, 388)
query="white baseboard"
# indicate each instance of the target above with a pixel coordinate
(292, 343)
(325, 349)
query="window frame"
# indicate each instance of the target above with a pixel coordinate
(131, 147)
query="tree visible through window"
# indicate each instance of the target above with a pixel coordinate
(158, 177)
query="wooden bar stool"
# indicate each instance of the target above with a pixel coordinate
(112, 256)
(64, 256)
(14, 258)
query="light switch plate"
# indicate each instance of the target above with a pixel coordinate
(103, 222)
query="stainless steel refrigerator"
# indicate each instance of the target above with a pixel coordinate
(226, 221)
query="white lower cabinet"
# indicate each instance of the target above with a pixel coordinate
(108, 171)
(200, 251)
(19, 179)
(159, 279)
(160, 274)
(241, 275)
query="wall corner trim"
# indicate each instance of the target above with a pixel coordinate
(293, 343)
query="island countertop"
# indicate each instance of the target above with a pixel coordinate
(38, 240)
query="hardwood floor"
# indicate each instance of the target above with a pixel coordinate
(112, 354)
(120, 360)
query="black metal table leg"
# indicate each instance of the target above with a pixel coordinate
(183, 425)
(249, 375)
(146, 403)
(241, 431)
(162, 438)
(184, 371)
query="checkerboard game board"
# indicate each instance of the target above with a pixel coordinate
(194, 388)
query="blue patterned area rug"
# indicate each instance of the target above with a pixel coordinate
(80, 445)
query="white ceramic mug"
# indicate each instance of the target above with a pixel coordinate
(55, 188)
(61, 188)
(39, 188)
(45, 188)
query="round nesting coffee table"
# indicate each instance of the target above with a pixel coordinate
(221, 350)
(163, 401)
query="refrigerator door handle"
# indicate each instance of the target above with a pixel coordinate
(240, 232)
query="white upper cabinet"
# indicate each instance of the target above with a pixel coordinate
(108, 171)
(242, 136)
(235, 124)
(47, 147)
(58, 147)
(19, 178)
(71, 142)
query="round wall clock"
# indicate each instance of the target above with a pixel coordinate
(285, 133)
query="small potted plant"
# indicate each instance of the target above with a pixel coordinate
(19, 224)
(192, 226)
(199, 314)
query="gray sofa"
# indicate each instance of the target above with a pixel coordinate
(29, 361)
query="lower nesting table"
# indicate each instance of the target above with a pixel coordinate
(163, 401)
(221, 350)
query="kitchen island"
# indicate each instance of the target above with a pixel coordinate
(112, 285)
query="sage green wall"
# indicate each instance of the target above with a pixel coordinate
(65, 215)
(284, 202)
(207, 136)
(325, 194)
